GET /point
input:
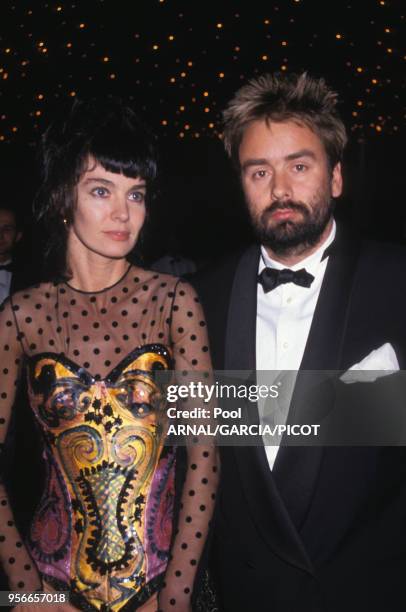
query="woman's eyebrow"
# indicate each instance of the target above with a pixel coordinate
(98, 180)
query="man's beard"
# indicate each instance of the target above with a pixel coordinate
(291, 236)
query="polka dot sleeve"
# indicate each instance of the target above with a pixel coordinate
(191, 354)
(17, 563)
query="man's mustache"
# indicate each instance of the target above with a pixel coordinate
(285, 205)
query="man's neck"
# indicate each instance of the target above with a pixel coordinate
(301, 252)
(5, 259)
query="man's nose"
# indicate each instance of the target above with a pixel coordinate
(280, 186)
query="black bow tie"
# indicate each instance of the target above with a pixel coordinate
(8, 267)
(271, 278)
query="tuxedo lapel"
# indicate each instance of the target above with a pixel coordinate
(325, 341)
(296, 468)
(242, 314)
(266, 507)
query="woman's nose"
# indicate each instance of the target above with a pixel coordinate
(120, 209)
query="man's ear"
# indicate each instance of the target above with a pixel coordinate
(18, 237)
(336, 181)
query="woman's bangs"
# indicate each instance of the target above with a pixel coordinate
(130, 166)
(125, 150)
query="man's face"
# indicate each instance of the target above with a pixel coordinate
(9, 235)
(287, 184)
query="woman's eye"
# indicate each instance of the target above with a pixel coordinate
(100, 192)
(137, 196)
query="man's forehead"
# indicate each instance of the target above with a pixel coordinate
(288, 128)
(282, 138)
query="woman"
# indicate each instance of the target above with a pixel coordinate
(95, 342)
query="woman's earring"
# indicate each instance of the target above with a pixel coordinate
(65, 221)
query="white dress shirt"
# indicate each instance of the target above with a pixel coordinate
(5, 282)
(284, 317)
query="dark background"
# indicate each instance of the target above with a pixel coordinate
(178, 63)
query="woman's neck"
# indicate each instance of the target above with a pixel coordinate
(92, 272)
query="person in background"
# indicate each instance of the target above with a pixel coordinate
(10, 235)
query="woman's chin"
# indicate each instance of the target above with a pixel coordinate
(116, 251)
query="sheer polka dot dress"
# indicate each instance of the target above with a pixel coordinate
(95, 364)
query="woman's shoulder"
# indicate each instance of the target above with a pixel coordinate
(32, 298)
(168, 283)
(153, 279)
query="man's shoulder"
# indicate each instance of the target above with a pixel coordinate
(383, 251)
(380, 274)
(370, 252)
(214, 283)
(383, 260)
(223, 269)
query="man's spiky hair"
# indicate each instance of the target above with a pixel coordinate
(286, 97)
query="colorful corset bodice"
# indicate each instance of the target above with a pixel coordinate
(105, 519)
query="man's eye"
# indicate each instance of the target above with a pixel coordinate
(300, 167)
(137, 196)
(100, 192)
(259, 174)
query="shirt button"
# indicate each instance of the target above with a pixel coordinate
(288, 300)
(285, 345)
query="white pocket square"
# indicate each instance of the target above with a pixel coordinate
(380, 362)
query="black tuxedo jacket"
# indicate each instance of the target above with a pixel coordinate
(325, 530)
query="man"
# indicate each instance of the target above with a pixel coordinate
(10, 235)
(305, 529)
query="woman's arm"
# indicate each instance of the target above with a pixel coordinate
(17, 563)
(193, 363)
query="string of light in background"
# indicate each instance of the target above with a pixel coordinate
(180, 61)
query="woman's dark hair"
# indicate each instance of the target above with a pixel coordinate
(107, 131)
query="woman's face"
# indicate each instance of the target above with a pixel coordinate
(109, 213)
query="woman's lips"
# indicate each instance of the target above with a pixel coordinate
(120, 236)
